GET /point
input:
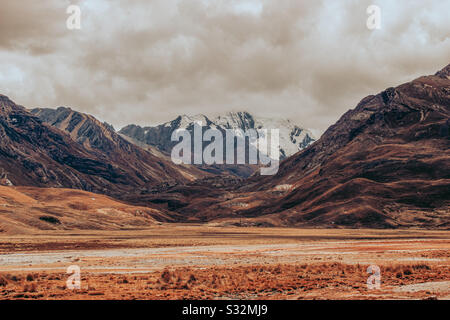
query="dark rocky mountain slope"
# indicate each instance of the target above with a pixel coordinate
(384, 164)
(146, 164)
(93, 158)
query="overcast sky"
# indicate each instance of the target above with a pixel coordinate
(147, 61)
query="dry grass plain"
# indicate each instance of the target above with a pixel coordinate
(210, 262)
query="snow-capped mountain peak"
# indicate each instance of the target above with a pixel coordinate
(293, 137)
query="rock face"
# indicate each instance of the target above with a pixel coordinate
(384, 164)
(293, 138)
(82, 128)
(92, 158)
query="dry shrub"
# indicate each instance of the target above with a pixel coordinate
(13, 277)
(404, 270)
(192, 278)
(29, 287)
(166, 276)
(185, 286)
(3, 281)
(407, 271)
(277, 270)
(421, 267)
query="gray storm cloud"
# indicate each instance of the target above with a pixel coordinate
(146, 62)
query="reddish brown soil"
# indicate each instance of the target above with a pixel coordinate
(26, 210)
(301, 281)
(201, 262)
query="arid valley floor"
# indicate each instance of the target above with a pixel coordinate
(210, 262)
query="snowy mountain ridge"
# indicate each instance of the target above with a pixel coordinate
(293, 137)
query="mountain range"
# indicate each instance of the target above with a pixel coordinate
(383, 164)
(74, 150)
(293, 138)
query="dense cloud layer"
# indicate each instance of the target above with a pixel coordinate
(146, 61)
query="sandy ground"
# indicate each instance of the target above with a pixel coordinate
(201, 262)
